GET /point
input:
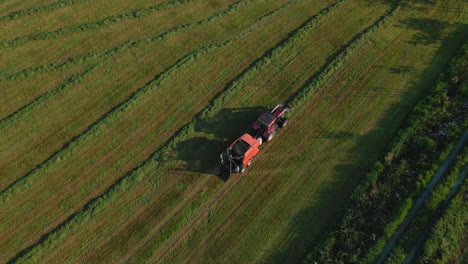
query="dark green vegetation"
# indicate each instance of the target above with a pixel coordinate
(113, 115)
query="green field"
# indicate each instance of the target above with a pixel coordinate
(113, 115)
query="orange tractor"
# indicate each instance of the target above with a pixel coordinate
(240, 153)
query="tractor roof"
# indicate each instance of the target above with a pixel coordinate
(266, 118)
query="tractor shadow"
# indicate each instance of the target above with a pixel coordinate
(201, 154)
(430, 30)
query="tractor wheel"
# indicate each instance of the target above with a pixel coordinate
(260, 140)
(271, 136)
(284, 122)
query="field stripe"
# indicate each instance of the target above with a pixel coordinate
(139, 13)
(24, 73)
(33, 10)
(95, 206)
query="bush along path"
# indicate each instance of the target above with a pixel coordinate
(388, 192)
(447, 240)
(453, 191)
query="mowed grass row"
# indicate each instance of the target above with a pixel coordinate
(16, 95)
(133, 232)
(277, 210)
(208, 62)
(102, 39)
(70, 15)
(8, 6)
(37, 9)
(35, 121)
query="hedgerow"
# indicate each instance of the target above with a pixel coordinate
(140, 13)
(148, 167)
(382, 201)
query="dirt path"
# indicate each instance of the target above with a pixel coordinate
(419, 203)
(423, 236)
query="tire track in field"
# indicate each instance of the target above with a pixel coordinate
(95, 25)
(33, 10)
(298, 100)
(26, 72)
(95, 205)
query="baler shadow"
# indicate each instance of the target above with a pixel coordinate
(201, 154)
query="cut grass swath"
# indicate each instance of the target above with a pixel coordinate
(90, 25)
(24, 73)
(25, 12)
(29, 108)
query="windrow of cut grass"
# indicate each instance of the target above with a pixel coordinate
(138, 43)
(239, 50)
(8, 6)
(17, 94)
(157, 239)
(80, 12)
(45, 8)
(28, 109)
(91, 25)
(21, 154)
(346, 126)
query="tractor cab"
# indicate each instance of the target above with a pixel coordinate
(268, 123)
(240, 153)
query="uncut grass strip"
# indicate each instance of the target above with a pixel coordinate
(24, 73)
(29, 108)
(29, 11)
(140, 13)
(93, 207)
(71, 147)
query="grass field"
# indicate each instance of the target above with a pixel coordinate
(113, 115)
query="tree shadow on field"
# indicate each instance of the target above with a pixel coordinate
(201, 154)
(308, 227)
(430, 30)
